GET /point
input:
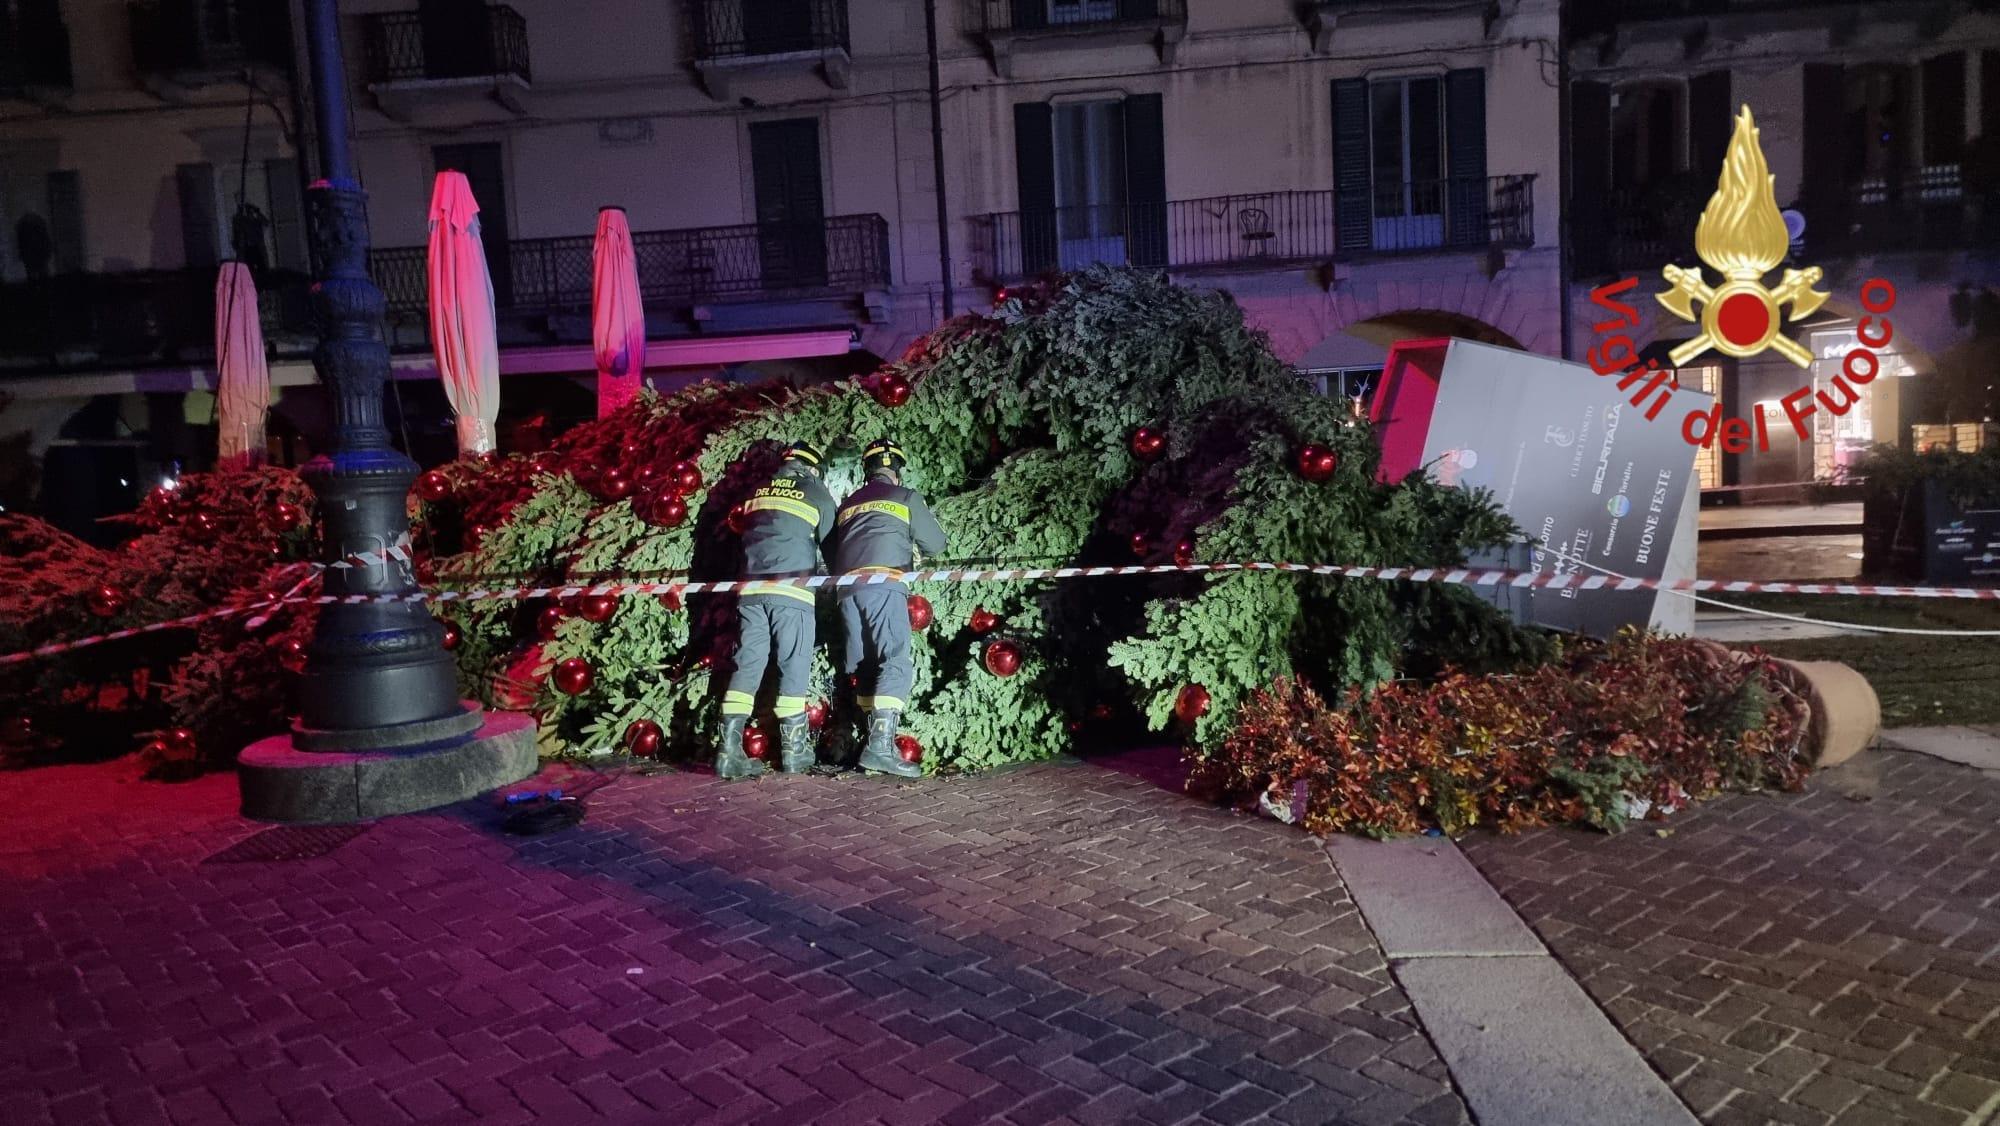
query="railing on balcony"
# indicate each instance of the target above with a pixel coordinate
(138, 316)
(1927, 210)
(415, 47)
(1590, 18)
(677, 268)
(34, 47)
(1261, 229)
(1002, 16)
(176, 36)
(736, 29)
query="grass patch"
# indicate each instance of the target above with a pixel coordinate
(1924, 681)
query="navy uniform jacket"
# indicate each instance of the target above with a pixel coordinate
(877, 526)
(785, 522)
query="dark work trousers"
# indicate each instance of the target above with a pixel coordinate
(876, 620)
(771, 627)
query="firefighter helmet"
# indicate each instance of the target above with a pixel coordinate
(883, 453)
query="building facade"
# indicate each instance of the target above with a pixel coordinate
(1879, 126)
(1352, 172)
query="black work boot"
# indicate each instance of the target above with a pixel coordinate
(795, 747)
(881, 756)
(730, 761)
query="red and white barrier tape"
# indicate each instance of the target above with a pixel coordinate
(1455, 576)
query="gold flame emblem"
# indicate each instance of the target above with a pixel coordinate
(1742, 237)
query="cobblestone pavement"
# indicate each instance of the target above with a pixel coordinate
(1830, 957)
(1063, 943)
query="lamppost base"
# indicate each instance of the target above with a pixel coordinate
(280, 782)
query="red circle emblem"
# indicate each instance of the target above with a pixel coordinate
(1743, 319)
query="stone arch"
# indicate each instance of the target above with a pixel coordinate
(1516, 306)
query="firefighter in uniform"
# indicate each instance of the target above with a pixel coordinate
(785, 524)
(877, 527)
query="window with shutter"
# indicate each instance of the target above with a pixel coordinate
(1589, 202)
(791, 228)
(66, 221)
(288, 226)
(1352, 210)
(1035, 180)
(201, 232)
(1146, 179)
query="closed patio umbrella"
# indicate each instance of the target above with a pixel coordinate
(463, 335)
(617, 318)
(243, 378)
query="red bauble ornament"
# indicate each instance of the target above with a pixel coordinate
(573, 676)
(203, 524)
(1141, 546)
(686, 478)
(1184, 553)
(1148, 444)
(669, 511)
(1316, 462)
(737, 520)
(756, 742)
(180, 741)
(816, 713)
(647, 474)
(614, 484)
(477, 533)
(596, 607)
(1100, 712)
(1191, 704)
(920, 612)
(452, 636)
(19, 729)
(642, 738)
(433, 486)
(547, 621)
(671, 600)
(892, 391)
(984, 621)
(286, 517)
(630, 450)
(546, 461)
(1002, 658)
(292, 654)
(106, 601)
(707, 661)
(1075, 726)
(909, 749)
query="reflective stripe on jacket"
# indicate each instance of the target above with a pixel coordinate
(784, 524)
(877, 526)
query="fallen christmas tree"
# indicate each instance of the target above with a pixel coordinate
(1107, 417)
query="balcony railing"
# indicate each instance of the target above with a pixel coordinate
(1591, 18)
(34, 47)
(1002, 16)
(677, 268)
(1928, 210)
(413, 47)
(180, 36)
(1262, 229)
(737, 29)
(137, 316)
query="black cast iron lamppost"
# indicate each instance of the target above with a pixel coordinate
(381, 728)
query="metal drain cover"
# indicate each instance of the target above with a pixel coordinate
(288, 842)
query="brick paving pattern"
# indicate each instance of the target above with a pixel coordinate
(1830, 957)
(1063, 943)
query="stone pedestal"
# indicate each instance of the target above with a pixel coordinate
(280, 782)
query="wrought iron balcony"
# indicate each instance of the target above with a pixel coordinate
(1926, 211)
(34, 48)
(678, 269)
(137, 317)
(745, 29)
(1009, 16)
(1266, 229)
(190, 38)
(405, 47)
